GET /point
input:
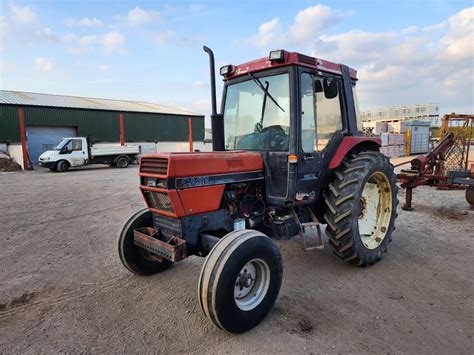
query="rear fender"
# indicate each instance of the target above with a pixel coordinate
(353, 144)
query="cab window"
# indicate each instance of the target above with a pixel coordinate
(320, 111)
(73, 145)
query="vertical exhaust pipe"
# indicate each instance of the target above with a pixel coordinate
(217, 120)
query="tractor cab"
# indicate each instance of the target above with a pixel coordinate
(293, 109)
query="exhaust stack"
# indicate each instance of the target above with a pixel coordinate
(217, 120)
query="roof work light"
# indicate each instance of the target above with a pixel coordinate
(277, 56)
(227, 70)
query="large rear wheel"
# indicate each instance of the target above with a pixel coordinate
(134, 258)
(240, 280)
(362, 208)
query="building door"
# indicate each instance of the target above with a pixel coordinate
(41, 139)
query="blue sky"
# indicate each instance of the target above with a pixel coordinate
(407, 52)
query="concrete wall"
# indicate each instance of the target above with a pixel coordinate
(16, 152)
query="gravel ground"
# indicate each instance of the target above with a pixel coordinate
(63, 289)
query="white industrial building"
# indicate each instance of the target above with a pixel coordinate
(427, 112)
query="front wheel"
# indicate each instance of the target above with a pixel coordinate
(62, 166)
(122, 162)
(240, 280)
(134, 258)
(362, 208)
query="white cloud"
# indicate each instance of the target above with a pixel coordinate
(113, 41)
(103, 67)
(21, 25)
(172, 37)
(90, 22)
(138, 16)
(409, 66)
(23, 14)
(83, 22)
(4, 32)
(459, 41)
(303, 31)
(88, 40)
(355, 46)
(200, 85)
(165, 37)
(47, 34)
(44, 65)
(410, 29)
(436, 27)
(268, 34)
(311, 21)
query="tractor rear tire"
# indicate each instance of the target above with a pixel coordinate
(135, 259)
(240, 280)
(362, 208)
(470, 195)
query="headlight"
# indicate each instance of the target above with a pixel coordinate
(44, 158)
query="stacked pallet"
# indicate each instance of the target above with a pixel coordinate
(393, 144)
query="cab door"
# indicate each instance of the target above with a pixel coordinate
(321, 130)
(75, 152)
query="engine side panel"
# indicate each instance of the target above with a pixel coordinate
(184, 184)
(201, 199)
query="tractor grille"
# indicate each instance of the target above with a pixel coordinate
(154, 166)
(158, 200)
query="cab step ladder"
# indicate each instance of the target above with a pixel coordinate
(314, 227)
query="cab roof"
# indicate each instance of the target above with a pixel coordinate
(290, 58)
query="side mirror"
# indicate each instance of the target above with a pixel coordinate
(318, 85)
(330, 88)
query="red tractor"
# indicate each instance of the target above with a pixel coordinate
(288, 154)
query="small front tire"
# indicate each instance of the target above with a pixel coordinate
(240, 280)
(134, 258)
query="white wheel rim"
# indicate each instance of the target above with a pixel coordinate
(376, 210)
(252, 284)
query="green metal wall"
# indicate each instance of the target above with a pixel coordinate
(102, 126)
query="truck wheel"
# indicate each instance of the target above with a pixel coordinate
(362, 208)
(240, 280)
(62, 166)
(122, 162)
(134, 258)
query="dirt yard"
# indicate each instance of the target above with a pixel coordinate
(63, 289)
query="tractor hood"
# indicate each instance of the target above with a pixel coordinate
(182, 184)
(168, 165)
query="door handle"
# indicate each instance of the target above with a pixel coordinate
(308, 157)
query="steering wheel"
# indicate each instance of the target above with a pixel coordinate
(274, 137)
